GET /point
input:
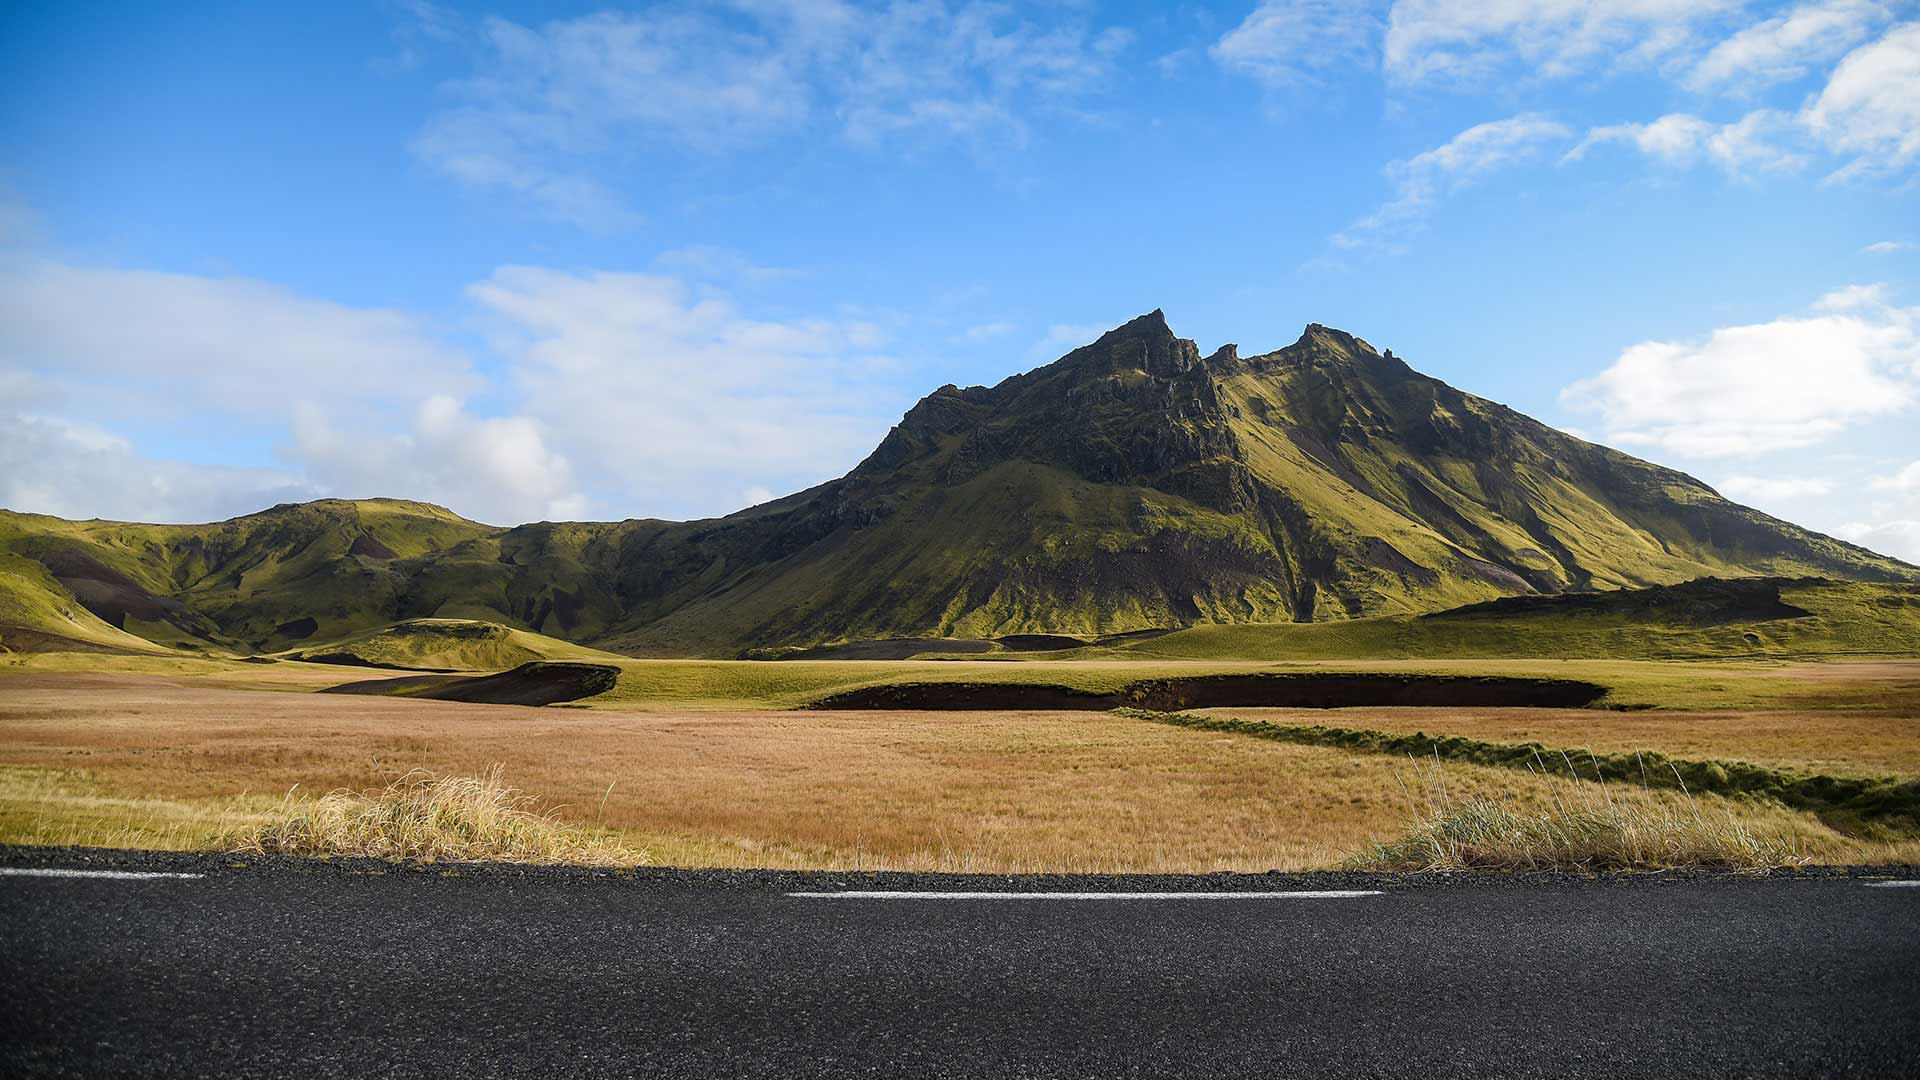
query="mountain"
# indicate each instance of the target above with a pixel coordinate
(1131, 484)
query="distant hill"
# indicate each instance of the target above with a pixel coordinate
(1702, 619)
(1132, 484)
(444, 645)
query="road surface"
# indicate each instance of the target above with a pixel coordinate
(272, 969)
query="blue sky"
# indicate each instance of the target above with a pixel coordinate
(559, 260)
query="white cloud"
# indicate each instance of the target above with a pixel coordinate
(1449, 41)
(555, 106)
(1787, 46)
(1886, 247)
(1422, 180)
(205, 358)
(1893, 528)
(667, 400)
(1788, 383)
(630, 393)
(1854, 298)
(1675, 137)
(721, 266)
(1170, 65)
(493, 469)
(1906, 481)
(1288, 43)
(74, 470)
(1900, 539)
(989, 331)
(203, 361)
(1062, 338)
(1753, 142)
(1750, 143)
(1870, 107)
(133, 342)
(1769, 488)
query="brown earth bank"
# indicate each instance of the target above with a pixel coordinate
(157, 761)
(534, 683)
(1289, 690)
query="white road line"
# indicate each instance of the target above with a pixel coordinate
(1893, 884)
(116, 875)
(1328, 894)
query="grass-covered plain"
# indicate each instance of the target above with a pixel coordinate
(1836, 742)
(712, 763)
(1632, 684)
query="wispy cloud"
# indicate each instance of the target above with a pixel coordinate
(1288, 44)
(1424, 179)
(1775, 488)
(553, 109)
(1900, 539)
(1894, 527)
(1886, 247)
(989, 331)
(1865, 120)
(1063, 338)
(1787, 46)
(1906, 480)
(1755, 142)
(140, 340)
(1444, 41)
(1870, 107)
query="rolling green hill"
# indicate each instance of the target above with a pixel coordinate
(1702, 619)
(1133, 484)
(445, 645)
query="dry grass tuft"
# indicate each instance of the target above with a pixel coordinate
(1583, 829)
(426, 818)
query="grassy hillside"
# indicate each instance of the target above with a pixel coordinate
(1703, 620)
(1131, 485)
(445, 645)
(37, 614)
(260, 582)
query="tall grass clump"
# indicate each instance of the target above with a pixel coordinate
(1583, 828)
(422, 817)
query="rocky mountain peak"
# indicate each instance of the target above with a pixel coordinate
(1330, 339)
(1144, 344)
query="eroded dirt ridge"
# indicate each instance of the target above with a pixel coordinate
(535, 683)
(1286, 690)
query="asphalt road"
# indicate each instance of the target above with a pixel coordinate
(271, 971)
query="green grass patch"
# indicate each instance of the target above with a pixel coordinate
(1886, 801)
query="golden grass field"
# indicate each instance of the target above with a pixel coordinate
(1838, 742)
(710, 764)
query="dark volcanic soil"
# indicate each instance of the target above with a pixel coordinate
(1297, 691)
(536, 683)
